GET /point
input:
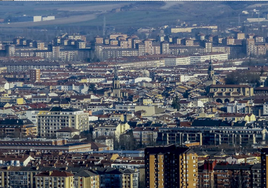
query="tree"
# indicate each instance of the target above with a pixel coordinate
(238, 77)
(91, 87)
(186, 94)
(266, 82)
(127, 141)
(176, 103)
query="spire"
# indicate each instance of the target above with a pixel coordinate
(210, 68)
(115, 73)
(211, 72)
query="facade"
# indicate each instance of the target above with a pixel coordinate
(86, 179)
(17, 128)
(54, 179)
(33, 177)
(108, 141)
(232, 175)
(212, 135)
(57, 118)
(145, 136)
(42, 145)
(35, 75)
(212, 56)
(67, 133)
(227, 93)
(174, 61)
(264, 167)
(170, 166)
(119, 178)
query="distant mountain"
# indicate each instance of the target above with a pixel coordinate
(236, 5)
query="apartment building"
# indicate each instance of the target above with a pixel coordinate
(211, 56)
(86, 179)
(42, 145)
(33, 177)
(232, 175)
(110, 178)
(21, 128)
(54, 179)
(57, 118)
(35, 75)
(170, 166)
(212, 135)
(264, 167)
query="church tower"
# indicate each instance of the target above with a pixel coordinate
(116, 84)
(211, 76)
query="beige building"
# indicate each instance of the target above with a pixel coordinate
(57, 118)
(227, 93)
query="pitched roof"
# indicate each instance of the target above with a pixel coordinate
(68, 129)
(95, 145)
(85, 173)
(55, 173)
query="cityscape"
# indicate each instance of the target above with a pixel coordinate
(134, 94)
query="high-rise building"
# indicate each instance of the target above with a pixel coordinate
(170, 166)
(264, 167)
(35, 75)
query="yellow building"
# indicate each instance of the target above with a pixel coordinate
(86, 179)
(12, 100)
(161, 161)
(117, 117)
(226, 93)
(121, 128)
(20, 101)
(235, 117)
(54, 179)
(147, 101)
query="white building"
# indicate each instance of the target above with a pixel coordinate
(236, 107)
(43, 18)
(174, 61)
(47, 18)
(214, 56)
(37, 18)
(140, 79)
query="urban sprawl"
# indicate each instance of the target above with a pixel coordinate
(122, 111)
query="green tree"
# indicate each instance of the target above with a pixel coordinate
(176, 103)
